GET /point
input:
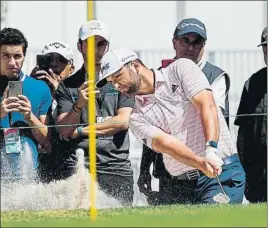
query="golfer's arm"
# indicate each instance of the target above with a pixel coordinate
(114, 124)
(205, 104)
(169, 144)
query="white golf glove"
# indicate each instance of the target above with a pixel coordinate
(211, 154)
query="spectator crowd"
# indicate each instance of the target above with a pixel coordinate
(179, 111)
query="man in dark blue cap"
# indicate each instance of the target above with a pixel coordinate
(252, 132)
(189, 40)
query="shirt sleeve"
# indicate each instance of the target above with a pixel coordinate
(219, 91)
(191, 78)
(46, 101)
(125, 101)
(64, 100)
(142, 129)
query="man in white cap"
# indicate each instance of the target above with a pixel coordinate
(54, 65)
(114, 172)
(102, 40)
(59, 66)
(175, 113)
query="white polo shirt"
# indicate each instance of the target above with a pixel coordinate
(170, 110)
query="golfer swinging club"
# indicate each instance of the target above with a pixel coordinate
(175, 114)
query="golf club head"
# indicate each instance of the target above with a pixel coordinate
(221, 198)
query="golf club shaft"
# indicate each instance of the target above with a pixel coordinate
(220, 185)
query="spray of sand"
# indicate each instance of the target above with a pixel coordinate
(72, 193)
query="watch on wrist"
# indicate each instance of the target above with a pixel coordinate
(212, 144)
(80, 131)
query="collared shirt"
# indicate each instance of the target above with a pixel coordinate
(112, 151)
(170, 110)
(218, 86)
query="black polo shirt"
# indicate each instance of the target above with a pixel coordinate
(252, 136)
(112, 151)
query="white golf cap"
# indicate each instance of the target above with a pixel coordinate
(113, 61)
(59, 47)
(93, 28)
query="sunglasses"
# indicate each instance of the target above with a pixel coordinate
(197, 44)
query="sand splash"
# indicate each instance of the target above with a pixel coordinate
(72, 193)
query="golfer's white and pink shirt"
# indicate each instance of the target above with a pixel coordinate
(170, 110)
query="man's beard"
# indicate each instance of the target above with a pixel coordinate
(135, 84)
(132, 91)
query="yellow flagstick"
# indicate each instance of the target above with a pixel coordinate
(91, 114)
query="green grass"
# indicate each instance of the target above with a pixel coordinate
(253, 215)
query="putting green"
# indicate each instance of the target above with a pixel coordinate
(252, 215)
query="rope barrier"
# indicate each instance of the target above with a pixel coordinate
(110, 122)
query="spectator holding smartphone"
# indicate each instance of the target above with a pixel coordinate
(57, 64)
(26, 110)
(114, 172)
(54, 65)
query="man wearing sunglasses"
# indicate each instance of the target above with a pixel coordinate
(189, 41)
(252, 132)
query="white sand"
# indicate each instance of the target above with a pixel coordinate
(72, 193)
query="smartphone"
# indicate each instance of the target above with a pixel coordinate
(166, 62)
(43, 61)
(14, 88)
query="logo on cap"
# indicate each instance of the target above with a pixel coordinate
(105, 67)
(95, 25)
(124, 59)
(191, 24)
(57, 45)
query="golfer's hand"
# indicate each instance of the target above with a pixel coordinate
(211, 154)
(210, 168)
(144, 183)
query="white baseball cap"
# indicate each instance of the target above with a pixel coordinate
(93, 28)
(59, 47)
(113, 61)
